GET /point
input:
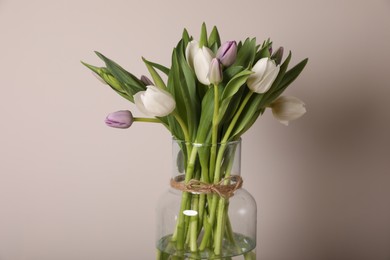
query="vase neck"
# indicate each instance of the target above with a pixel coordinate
(206, 162)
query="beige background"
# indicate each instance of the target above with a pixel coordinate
(73, 189)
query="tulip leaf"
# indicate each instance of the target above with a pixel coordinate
(264, 51)
(248, 115)
(203, 36)
(249, 123)
(160, 67)
(293, 73)
(231, 71)
(288, 78)
(229, 107)
(156, 77)
(186, 37)
(93, 68)
(246, 53)
(107, 77)
(127, 79)
(174, 86)
(189, 89)
(214, 39)
(206, 117)
(235, 83)
(182, 84)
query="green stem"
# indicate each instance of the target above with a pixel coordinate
(217, 174)
(221, 218)
(214, 133)
(250, 256)
(184, 128)
(146, 120)
(236, 116)
(179, 235)
(194, 225)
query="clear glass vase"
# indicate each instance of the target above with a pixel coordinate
(206, 214)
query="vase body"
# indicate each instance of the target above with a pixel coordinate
(206, 214)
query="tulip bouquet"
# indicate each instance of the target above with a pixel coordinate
(213, 94)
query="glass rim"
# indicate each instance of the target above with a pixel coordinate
(196, 144)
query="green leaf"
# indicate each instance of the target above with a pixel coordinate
(206, 118)
(160, 67)
(182, 85)
(203, 36)
(246, 53)
(293, 73)
(248, 116)
(235, 83)
(156, 77)
(188, 90)
(107, 77)
(230, 72)
(214, 39)
(127, 80)
(288, 78)
(185, 37)
(229, 107)
(264, 51)
(93, 68)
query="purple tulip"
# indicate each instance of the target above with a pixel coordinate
(227, 53)
(215, 72)
(120, 119)
(278, 56)
(146, 80)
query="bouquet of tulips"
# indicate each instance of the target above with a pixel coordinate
(213, 94)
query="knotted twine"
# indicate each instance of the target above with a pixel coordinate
(197, 186)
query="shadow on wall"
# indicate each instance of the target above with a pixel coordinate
(346, 139)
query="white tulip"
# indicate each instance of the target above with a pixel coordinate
(265, 73)
(286, 109)
(199, 59)
(191, 49)
(154, 101)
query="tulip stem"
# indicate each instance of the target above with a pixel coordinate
(146, 120)
(217, 176)
(183, 127)
(214, 134)
(236, 116)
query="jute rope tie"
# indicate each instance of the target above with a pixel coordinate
(200, 187)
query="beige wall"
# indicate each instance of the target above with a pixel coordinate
(73, 189)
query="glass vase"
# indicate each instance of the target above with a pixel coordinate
(206, 214)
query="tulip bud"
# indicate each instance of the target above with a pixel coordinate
(265, 73)
(215, 72)
(278, 55)
(98, 78)
(146, 80)
(112, 81)
(120, 119)
(199, 59)
(154, 101)
(286, 109)
(227, 53)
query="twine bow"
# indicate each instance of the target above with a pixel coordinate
(222, 188)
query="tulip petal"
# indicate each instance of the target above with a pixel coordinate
(139, 103)
(286, 109)
(202, 61)
(120, 119)
(265, 73)
(154, 102)
(191, 49)
(267, 81)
